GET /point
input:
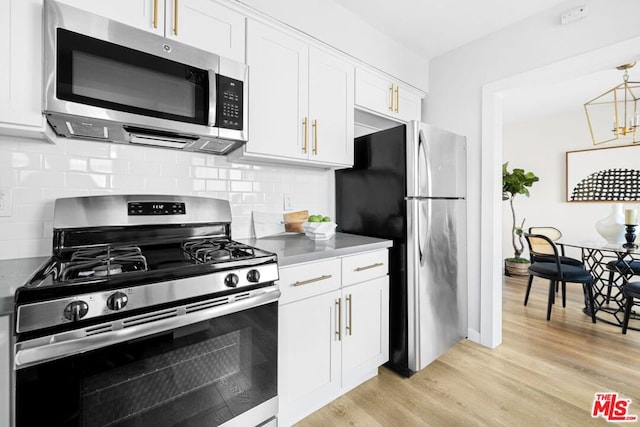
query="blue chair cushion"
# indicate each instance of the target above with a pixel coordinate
(620, 265)
(570, 273)
(631, 289)
(563, 260)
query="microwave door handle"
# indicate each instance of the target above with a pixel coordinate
(212, 98)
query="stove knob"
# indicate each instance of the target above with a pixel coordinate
(253, 276)
(76, 310)
(117, 301)
(231, 280)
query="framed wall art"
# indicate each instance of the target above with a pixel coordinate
(609, 174)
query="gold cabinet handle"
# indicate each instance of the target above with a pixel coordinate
(391, 98)
(339, 324)
(315, 137)
(175, 17)
(367, 267)
(155, 13)
(305, 124)
(397, 99)
(349, 326)
(315, 279)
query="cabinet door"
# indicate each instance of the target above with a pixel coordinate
(21, 67)
(365, 345)
(278, 98)
(208, 26)
(409, 104)
(331, 86)
(147, 15)
(373, 92)
(5, 372)
(308, 356)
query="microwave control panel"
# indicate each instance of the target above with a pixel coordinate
(229, 111)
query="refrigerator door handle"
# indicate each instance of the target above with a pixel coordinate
(424, 171)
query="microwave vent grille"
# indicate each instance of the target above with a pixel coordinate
(217, 146)
(87, 130)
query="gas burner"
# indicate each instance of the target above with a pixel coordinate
(211, 251)
(103, 262)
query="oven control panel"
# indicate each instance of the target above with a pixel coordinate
(156, 208)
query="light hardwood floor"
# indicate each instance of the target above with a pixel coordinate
(543, 374)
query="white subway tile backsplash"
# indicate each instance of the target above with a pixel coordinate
(234, 174)
(126, 182)
(241, 186)
(21, 230)
(80, 147)
(38, 173)
(144, 168)
(40, 178)
(33, 247)
(205, 172)
(27, 196)
(107, 166)
(159, 185)
(126, 152)
(87, 180)
(23, 159)
(217, 185)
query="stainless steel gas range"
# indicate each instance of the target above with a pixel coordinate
(147, 313)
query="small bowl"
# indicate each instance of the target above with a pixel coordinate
(319, 230)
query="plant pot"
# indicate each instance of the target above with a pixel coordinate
(514, 268)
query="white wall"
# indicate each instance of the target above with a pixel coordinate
(36, 173)
(344, 30)
(539, 145)
(457, 80)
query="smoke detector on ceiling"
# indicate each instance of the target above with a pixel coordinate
(573, 15)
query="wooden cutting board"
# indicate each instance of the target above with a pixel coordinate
(293, 221)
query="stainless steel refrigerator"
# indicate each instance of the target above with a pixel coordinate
(408, 184)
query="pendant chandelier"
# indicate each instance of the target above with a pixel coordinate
(615, 115)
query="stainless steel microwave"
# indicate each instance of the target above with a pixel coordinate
(111, 82)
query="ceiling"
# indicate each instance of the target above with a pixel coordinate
(433, 27)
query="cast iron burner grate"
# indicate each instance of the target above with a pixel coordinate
(103, 261)
(210, 251)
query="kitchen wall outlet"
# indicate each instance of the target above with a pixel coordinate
(573, 15)
(287, 202)
(5, 201)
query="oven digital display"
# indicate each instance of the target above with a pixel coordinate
(156, 208)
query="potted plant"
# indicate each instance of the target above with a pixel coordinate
(513, 183)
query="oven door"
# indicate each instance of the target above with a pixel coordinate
(216, 366)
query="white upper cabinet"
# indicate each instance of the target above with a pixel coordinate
(144, 14)
(379, 94)
(278, 68)
(300, 102)
(21, 67)
(208, 26)
(204, 24)
(330, 108)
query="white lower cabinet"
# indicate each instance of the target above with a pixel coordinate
(5, 372)
(333, 330)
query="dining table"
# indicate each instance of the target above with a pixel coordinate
(609, 263)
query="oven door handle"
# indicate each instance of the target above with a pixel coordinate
(56, 346)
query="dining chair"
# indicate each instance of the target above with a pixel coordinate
(623, 268)
(549, 267)
(630, 290)
(554, 234)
